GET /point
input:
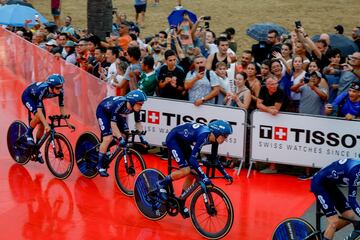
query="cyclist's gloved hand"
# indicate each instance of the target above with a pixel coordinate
(206, 181)
(228, 178)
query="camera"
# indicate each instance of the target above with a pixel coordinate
(207, 18)
(298, 24)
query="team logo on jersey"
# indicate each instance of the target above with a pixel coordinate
(153, 117)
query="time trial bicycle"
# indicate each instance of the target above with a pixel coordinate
(211, 210)
(129, 162)
(59, 156)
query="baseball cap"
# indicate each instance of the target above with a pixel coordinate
(355, 86)
(316, 73)
(69, 44)
(134, 28)
(339, 28)
(51, 42)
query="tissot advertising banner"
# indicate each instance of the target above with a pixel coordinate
(159, 116)
(303, 140)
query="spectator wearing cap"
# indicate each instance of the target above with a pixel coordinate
(69, 48)
(50, 45)
(67, 28)
(339, 29)
(312, 96)
(355, 34)
(349, 72)
(136, 31)
(347, 104)
(140, 9)
(124, 38)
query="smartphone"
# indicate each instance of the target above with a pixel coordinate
(298, 24)
(169, 74)
(201, 69)
(206, 25)
(207, 18)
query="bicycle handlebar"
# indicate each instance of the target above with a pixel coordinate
(57, 118)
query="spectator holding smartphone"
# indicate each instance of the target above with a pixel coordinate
(200, 88)
(171, 78)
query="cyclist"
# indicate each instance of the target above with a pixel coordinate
(323, 185)
(33, 97)
(179, 141)
(111, 115)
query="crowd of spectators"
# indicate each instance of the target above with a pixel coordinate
(191, 62)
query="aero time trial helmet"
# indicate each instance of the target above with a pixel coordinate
(55, 80)
(220, 128)
(136, 96)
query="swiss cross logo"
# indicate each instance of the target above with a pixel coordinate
(154, 117)
(280, 133)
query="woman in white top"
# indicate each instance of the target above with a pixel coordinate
(297, 75)
(242, 96)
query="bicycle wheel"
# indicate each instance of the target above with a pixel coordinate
(126, 173)
(87, 154)
(59, 156)
(294, 229)
(18, 150)
(145, 201)
(213, 219)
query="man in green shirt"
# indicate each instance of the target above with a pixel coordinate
(148, 80)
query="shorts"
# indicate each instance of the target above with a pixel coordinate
(140, 8)
(30, 104)
(179, 150)
(55, 12)
(105, 123)
(329, 197)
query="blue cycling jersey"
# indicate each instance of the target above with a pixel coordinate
(182, 137)
(112, 109)
(35, 93)
(344, 171)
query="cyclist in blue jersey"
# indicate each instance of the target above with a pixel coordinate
(111, 115)
(33, 97)
(323, 185)
(179, 141)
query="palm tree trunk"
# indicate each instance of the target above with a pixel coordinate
(99, 17)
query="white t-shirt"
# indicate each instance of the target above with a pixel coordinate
(111, 72)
